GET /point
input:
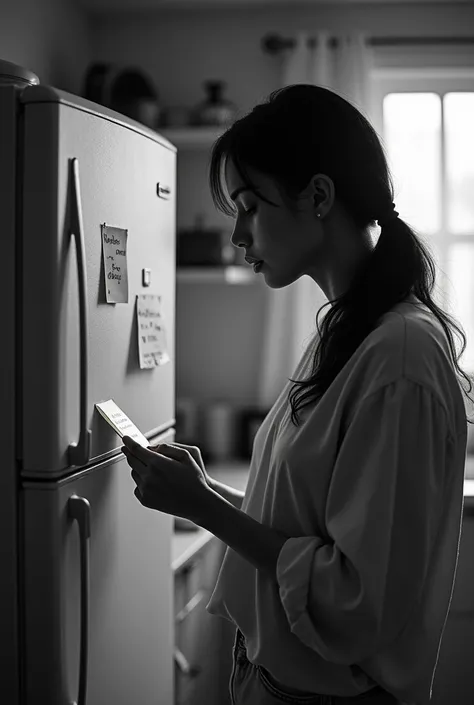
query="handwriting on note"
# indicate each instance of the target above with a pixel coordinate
(120, 421)
(114, 248)
(152, 350)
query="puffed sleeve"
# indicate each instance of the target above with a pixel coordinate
(348, 598)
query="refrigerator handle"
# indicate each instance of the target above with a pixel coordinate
(79, 453)
(79, 509)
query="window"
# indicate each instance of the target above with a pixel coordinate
(426, 121)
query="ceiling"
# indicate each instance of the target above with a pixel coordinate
(109, 6)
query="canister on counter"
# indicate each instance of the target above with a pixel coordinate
(218, 430)
(187, 421)
(251, 418)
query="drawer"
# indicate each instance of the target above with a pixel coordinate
(190, 649)
(186, 584)
(197, 656)
(211, 563)
(201, 573)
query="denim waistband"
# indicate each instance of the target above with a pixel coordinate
(376, 693)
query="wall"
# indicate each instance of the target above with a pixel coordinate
(180, 49)
(49, 37)
(219, 331)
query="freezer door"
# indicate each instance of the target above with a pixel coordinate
(131, 631)
(127, 179)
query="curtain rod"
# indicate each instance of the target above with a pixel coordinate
(274, 43)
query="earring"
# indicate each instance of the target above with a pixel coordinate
(318, 215)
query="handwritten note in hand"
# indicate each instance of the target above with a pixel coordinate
(120, 421)
(151, 332)
(114, 248)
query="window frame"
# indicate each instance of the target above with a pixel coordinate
(439, 80)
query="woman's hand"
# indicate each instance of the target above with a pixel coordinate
(195, 453)
(168, 479)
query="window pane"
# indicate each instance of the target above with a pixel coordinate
(460, 292)
(412, 136)
(459, 130)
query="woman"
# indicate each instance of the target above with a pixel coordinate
(342, 554)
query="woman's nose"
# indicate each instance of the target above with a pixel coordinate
(237, 239)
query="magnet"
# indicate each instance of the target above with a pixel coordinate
(146, 277)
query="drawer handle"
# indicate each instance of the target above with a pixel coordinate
(184, 666)
(193, 602)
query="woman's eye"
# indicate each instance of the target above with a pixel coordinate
(250, 211)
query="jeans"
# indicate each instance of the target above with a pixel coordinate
(251, 684)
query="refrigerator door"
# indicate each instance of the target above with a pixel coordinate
(127, 179)
(130, 621)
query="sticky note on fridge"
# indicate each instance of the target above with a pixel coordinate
(114, 249)
(120, 422)
(151, 332)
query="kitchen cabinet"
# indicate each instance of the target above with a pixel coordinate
(197, 633)
(203, 642)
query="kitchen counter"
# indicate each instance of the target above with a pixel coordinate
(186, 545)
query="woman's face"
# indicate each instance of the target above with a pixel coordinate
(288, 243)
(327, 248)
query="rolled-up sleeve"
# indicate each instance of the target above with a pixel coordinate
(348, 598)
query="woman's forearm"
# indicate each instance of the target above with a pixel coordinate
(257, 543)
(232, 495)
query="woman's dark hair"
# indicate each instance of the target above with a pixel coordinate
(301, 130)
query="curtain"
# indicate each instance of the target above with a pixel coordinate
(290, 318)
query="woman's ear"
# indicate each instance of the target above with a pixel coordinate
(318, 198)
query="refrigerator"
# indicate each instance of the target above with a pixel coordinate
(86, 589)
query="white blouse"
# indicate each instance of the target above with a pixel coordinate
(370, 489)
